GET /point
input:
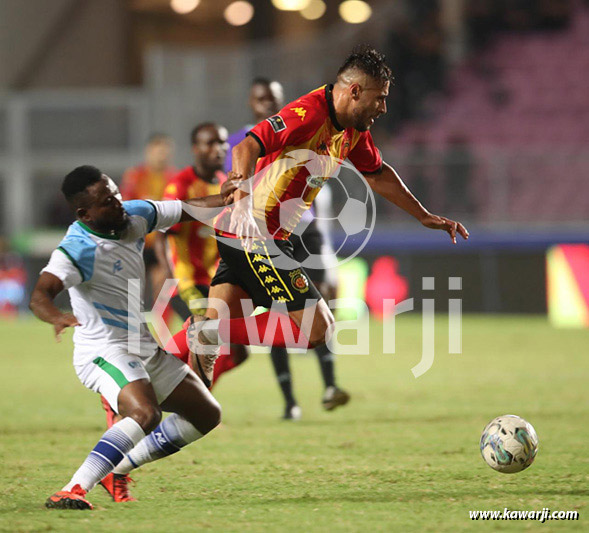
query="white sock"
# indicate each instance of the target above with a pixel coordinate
(120, 439)
(168, 438)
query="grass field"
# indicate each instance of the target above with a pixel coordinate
(403, 456)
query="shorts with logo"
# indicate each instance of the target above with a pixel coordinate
(258, 272)
(109, 373)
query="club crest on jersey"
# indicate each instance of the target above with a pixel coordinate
(117, 266)
(299, 281)
(315, 182)
(277, 123)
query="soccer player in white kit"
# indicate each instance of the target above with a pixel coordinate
(114, 353)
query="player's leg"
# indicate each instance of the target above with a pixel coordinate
(224, 289)
(194, 414)
(304, 318)
(333, 396)
(125, 384)
(280, 362)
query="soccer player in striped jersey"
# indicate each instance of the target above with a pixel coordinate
(266, 100)
(192, 248)
(334, 121)
(98, 261)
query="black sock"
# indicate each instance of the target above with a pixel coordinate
(282, 369)
(326, 363)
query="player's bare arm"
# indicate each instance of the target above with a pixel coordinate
(389, 185)
(199, 208)
(245, 156)
(46, 289)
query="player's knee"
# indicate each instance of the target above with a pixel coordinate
(147, 416)
(208, 417)
(319, 331)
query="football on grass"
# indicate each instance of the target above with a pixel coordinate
(509, 444)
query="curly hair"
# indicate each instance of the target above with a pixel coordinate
(368, 60)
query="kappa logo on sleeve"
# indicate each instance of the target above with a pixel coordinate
(277, 123)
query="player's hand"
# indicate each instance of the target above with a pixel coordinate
(227, 190)
(65, 320)
(243, 224)
(449, 226)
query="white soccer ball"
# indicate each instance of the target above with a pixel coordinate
(509, 444)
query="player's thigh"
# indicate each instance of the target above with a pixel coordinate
(232, 295)
(138, 401)
(193, 401)
(122, 379)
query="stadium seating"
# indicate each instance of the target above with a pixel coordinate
(523, 105)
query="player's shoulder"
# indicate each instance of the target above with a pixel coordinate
(179, 183)
(311, 107)
(142, 208)
(80, 247)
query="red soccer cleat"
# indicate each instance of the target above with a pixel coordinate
(117, 485)
(69, 499)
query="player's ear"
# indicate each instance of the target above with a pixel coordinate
(82, 214)
(355, 91)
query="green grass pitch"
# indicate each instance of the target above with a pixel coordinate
(402, 456)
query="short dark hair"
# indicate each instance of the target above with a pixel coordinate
(368, 60)
(158, 137)
(196, 130)
(260, 80)
(77, 181)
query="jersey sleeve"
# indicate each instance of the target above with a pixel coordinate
(61, 266)
(292, 126)
(365, 156)
(154, 216)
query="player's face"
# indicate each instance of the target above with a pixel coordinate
(265, 100)
(210, 148)
(104, 211)
(370, 103)
(158, 154)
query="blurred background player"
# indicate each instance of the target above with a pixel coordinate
(191, 249)
(148, 181)
(266, 98)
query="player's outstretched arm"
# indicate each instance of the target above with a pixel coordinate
(389, 185)
(202, 208)
(47, 288)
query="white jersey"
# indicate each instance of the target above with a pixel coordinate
(96, 269)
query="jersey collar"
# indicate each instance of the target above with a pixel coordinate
(111, 236)
(331, 107)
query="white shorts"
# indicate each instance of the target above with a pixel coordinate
(109, 374)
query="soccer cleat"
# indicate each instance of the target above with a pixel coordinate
(292, 412)
(69, 499)
(117, 485)
(203, 346)
(334, 397)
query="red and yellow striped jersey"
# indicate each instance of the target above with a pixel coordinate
(283, 190)
(192, 246)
